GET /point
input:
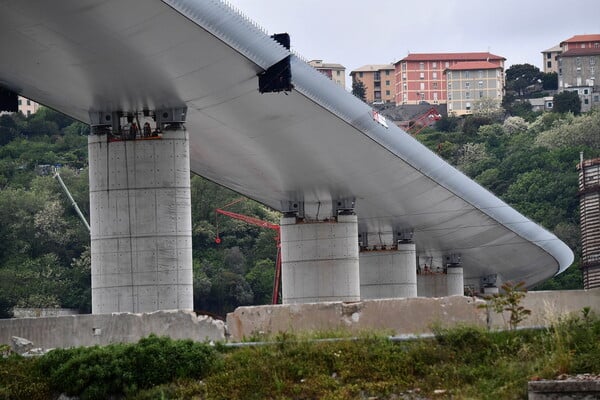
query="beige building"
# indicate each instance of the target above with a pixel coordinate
(335, 72)
(473, 85)
(378, 80)
(550, 57)
(26, 106)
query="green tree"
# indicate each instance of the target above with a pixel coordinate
(549, 80)
(359, 89)
(567, 101)
(520, 78)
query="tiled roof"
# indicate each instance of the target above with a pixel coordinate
(373, 67)
(588, 51)
(470, 65)
(582, 38)
(451, 57)
(318, 64)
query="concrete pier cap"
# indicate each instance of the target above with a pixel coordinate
(140, 209)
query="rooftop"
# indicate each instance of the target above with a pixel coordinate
(373, 67)
(582, 38)
(321, 64)
(451, 57)
(554, 49)
(471, 65)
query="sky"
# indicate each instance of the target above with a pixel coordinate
(354, 33)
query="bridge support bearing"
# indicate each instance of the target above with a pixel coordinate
(388, 273)
(141, 247)
(455, 281)
(320, 260)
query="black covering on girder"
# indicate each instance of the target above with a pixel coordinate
(278, 77)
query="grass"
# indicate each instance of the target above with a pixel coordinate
(462, 363)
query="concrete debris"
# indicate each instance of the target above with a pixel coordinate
(21, 345)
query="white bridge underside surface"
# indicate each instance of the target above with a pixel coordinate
(315, 144)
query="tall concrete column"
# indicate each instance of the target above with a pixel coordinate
(389, 273)
(319, 260)
(141, 247)
(455, 281)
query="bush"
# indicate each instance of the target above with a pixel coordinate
(99, 372)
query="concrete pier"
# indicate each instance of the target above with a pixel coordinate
(140, 208)
(319, 260)
(388, 273)
(455, 281)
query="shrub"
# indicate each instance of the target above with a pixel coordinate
(99, 372)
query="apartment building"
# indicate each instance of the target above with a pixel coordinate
(378, 80)
(578, 69)
(420, 76)
(26, 106)
(550, 59)
(335, 72)
(472, 85)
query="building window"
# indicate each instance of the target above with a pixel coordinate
(387, 92)
(586, 101)
(578, 61)
(422, 66)
(403, 66)
(449, 85)
(337, 73)
(360, 74)
(449, 75)
(435, 96)
(548, 56)
(404, 76)
(467, 75)
(422, 86)
(585, 91)
(20, 102)
(29, 113)
(434, 64)
(421, 75)
(404, 86)
(549, 64)
(467, 95)
(387, 83)
(387, 71)
(549, 105)
(449, 106)
(592, 61)
(468, 107)
(434, 85)
(480, 73)
(467, 85)
(449, 96)
(481, 94)
(422, 96)
(377, 76)
(434, 75)
(447, 64)
(28, 103)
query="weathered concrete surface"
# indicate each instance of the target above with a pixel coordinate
(580, 389)
(103, 329)
(548, 306)
(406, 315)
(397, 316)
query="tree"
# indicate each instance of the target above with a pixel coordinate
(567, 101)
(359, 89)
(520, 77)
(549, 80)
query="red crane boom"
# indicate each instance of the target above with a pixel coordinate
(262, 224)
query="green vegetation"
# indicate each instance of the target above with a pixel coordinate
(465, 362)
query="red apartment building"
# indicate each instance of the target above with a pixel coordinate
(420, 77)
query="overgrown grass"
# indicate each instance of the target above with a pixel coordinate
(466, 362)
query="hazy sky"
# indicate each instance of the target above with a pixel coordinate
(354, 33)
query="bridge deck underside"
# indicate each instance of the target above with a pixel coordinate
(315, 143)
